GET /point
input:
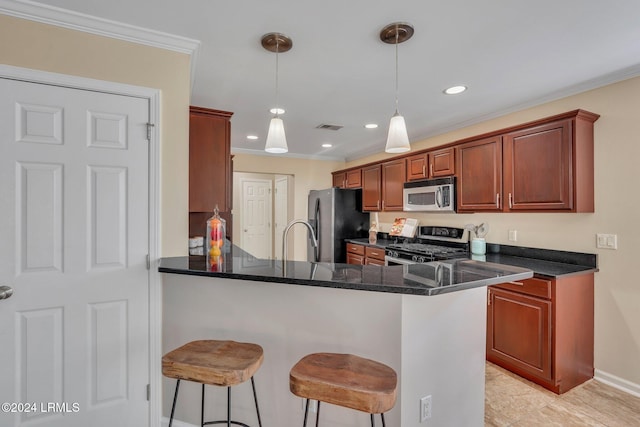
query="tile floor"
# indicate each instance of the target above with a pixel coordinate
(515, 402)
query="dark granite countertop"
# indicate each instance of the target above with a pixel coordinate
(544, 262)
(420, 279)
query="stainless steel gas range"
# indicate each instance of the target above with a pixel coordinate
(432, 243)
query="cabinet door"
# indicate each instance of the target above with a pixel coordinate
(355, 259)
(538, 168)
(442, 162)
(339, 179)
(417, 167)
(371, 188)
(480, 175)
(354, 178)
(519, 332)
(393, 178)
(209, 161)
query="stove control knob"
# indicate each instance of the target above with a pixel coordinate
(393, 254)
(414, 258)
(420, 259)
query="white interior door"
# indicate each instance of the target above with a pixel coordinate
(256, 217)
(281, 214)
(74, 338)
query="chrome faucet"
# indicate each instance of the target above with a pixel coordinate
(314, 240)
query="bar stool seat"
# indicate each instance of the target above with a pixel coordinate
(345, 380)
(212, 362)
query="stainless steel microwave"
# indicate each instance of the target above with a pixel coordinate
(431, 195)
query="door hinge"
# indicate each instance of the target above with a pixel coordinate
(149, 126)
(148, 262)
(148, 392)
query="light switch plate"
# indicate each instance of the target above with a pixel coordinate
(606, 241)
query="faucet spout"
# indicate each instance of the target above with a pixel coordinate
(312, 235)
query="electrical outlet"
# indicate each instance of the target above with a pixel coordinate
(513, 235)
(606, 241)
(425, 408)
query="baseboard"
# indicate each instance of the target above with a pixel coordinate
(176, 423)
(617, 382)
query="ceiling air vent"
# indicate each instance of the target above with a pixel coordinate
(329, 127)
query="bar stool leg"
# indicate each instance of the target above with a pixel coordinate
(373, 422)
(255, 398)
(173, 407)
(306, 412)
(228, 406)
(318, 415)
(383, 423)
(202, 408)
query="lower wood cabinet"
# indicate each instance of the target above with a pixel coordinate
(542, 329)
(373, 255)
(355, 254)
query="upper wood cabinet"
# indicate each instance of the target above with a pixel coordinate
(480, 175)
(417, 167)
(210, 168)
(547, 165)
(431, 165)
(550, 166)
(372, 188)
(351, 178)
(393, 179)
(339, 179)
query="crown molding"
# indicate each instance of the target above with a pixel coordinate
(65, 18)
(235, 150)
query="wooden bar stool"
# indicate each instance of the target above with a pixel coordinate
(220, 363)
(345, 380)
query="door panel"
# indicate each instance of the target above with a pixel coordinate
(256, 217)
(74, 226)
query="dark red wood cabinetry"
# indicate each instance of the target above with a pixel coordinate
(542, 329)
(393, 178)
(371, 188)
(348, 179)
(210, 167)
(480, 175)
(433, 164)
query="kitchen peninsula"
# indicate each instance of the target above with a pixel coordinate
(427, 323)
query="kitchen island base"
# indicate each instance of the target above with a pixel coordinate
(436, 344)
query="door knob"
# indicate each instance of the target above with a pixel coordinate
(5, 292)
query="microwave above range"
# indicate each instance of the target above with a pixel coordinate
(430, 195)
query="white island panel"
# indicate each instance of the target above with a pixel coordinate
(436, 345)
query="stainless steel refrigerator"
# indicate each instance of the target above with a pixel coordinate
(335, 214)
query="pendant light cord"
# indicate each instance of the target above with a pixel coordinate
(277, 52)
(397, 31)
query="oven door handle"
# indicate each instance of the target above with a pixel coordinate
(388, 260)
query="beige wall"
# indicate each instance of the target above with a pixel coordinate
(617, 154)
(307, 175)
(44, 47)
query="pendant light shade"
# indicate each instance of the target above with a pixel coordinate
(397, 139)
(276, 139)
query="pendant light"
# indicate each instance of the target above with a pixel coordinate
(276, 139)
(397, 139)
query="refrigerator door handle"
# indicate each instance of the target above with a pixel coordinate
(316, 250)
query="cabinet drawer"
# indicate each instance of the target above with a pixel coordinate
(375, 253)
(355, 259)
(535, 287)
(355, 249)
(373, 261)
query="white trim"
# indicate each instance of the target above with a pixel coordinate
(64, 18)
(617, 382)
(176, 423)
(155, 284)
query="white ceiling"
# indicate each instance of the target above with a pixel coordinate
(510, 53)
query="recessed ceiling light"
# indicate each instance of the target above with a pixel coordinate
(454, 90)
(277, 111)
(371, 125)
(252, 137)
(327, 145)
